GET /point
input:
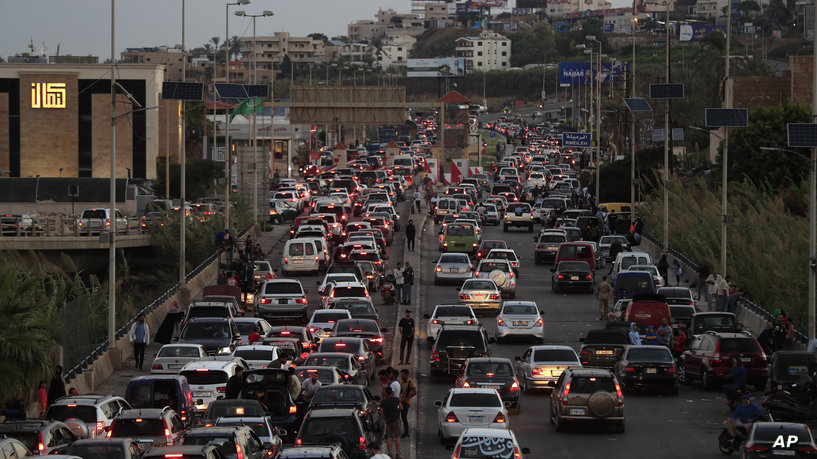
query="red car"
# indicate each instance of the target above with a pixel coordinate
(488, 245)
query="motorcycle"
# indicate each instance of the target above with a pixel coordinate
(387, 289)
(788, 406)
(729, 444)
(737, 395)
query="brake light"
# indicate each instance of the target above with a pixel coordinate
(465, 296)
(672, 370)
(108, 435)
(376, 340)
(361, 358)
(456, 454)
(301, 301)
(537, 372)
(493, 296)
(299, 442)
(286, 260)
(451, 417)
(438, 269)
(560, 276)
(202, 369)
(756, 448)
(466, 384)
(435, 321)
(361, 444)
(171, 455)
(565, 394)
(629, 369)
(168, 437)
(221, 388)
(293, 409)
(807, 449)
(515, 386)
(500, 418)
(156, 367)
(540, 322)
(435, 356)
(100, 426)
(619, 395)
(40, 444)
(588, 277)
(499, 322)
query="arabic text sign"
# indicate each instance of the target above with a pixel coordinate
(576, 139)
(697, 32)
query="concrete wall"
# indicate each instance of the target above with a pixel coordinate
(761, 92)
(801, 78)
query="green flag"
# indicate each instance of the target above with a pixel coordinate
(246, 107)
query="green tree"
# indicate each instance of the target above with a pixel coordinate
(201, 179)
(767, 128)
(531, 46)
(318, 36)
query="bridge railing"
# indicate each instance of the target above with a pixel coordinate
(58, 226)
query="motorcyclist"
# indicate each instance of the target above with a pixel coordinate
(745, 414)
(738, 376)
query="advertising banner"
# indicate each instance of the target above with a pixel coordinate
(657, 6)
(531, 3)
(578, 73)
(697, 32)
(439, 67)
(490, 3)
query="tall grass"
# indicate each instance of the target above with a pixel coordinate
(767, 247)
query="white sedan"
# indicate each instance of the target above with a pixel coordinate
(520, 318)
(448, 314)
(462, 408)
(172, 357)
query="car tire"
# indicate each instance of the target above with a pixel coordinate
(442, 439)
(555, 287)
(683, 376)
(560, 425)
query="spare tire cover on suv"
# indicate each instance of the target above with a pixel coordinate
(498, 277)
(601, 404)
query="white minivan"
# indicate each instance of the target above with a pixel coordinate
(300, 255)
(624, 260)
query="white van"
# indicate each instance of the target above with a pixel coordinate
(445, 206)
(405, 161)
(626, 259)
(300, 255)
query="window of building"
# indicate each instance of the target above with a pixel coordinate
(504, 43)
(479, 53)
(504, 53)
(504, 64)
(479, 43)
(479, 63)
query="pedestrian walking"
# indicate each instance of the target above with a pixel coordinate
(42, 398)
(615, 249)
(713, 282)
(139, 335)
(390, 408)
(678, 271)
(723, 293)
(411, 232)
(418, 199)
(399, 281)
(701, 286)
(408, 282)
(233, 387)
(604, 293)
(408, 390)
(406, 327)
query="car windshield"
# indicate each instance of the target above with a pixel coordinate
(591, 384)
(636, 354)
(254, 354)
(473, 447)
(224, 443)
(527, 309)
(348, 291)
(205, 330)
(316, 429)
(323, 361)
(479, 399)
(739, 345)
(179, 351)
(488, 245)
(283, 288)
(137, 428)
(554, 355)
(454, 258)
(490, 369)
(62, 412)
(355, 308)
(325, 375)
(725, 323)
(338, 394)
(459, 230)
(206, 377)
(453, 311)
(479, 285)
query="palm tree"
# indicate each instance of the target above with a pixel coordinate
(235, 46)
(215, 41)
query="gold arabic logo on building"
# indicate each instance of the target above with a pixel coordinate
(48, 95)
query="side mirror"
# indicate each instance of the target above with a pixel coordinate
(281, 432)
(438, 403)
(426, 316)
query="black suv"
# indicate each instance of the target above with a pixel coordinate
(454, 345)
(343, 426)
(602, 348)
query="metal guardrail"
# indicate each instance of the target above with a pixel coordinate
(98, 351)
(57, 226)
(743, 302)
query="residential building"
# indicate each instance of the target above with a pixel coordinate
(365, 29)
(488, 51)
(559, 8)
(171, 58)
(271, 49)
(394, 52)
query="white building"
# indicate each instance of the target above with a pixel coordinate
(488, 51)
(394, 52)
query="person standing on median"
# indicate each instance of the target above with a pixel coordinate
(408, 390)
(411, 232)
(418, 199)
(398, 283)
(406, 327)
(408, 281)
(390, 407)
(140, 337)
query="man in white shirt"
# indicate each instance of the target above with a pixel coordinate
(393, 382)
(310, 386)
(418, 199)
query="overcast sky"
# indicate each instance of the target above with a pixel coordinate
(82, 27)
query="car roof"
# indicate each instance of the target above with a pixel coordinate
(551, 347)
(473, 390)
(331, 354)
(333, 412)
(518, 303)
(489, 360)
(591, 371)
(488, 432)
(141, 413)
(209, 364)
(86, 399)
(210, 430)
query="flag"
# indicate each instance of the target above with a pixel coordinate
(246, 107)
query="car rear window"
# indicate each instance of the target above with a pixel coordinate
(575, 251)
(590, 384)
(329, 316)
(322, 361)
(62, 412)
(488, 245)
(355, 308)
(461, 338)
(208, 377)
(204, 330)
(554, 355)
(283, 288)
(649, 355)
(739, 345)
(179, 351)
(248, 408)
(259, 428)
(93, 214)
(254, 354)
(488, 266)
(454, 258)
(224, 443)
(137, 428)
(459, 230)
(348, 291)
(630, 283)
(551, 238)
(490, 369)
(315, 429)
(519, 309)
(771, 434)
(338, 394)
(606, 337)
(453, 311)
(486, 447)
(475, 399)
(479, 285)
(325, 375)
(99, 450)
(208, 311)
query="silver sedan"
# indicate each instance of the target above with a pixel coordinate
(453, 267)
(481, 295)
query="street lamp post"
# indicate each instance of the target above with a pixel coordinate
(228, 157)
(182, 172)
(254, 111)
(632, 125)
(592, 39)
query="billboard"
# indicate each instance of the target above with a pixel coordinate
(531, 3)
(437, 67)
(578, 73)
(490, 3)
(696, 32)
(657, 6)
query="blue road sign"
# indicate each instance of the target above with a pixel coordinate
(492, 134)
(576, 139)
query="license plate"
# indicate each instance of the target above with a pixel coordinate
(520, 323)
(782, 452)
(651, 371)
(577, 411)
(479, 297)
(574, 278)
(201, 394)
(745, 359)
(491, 386)
(453, 270)
(283, 301)
(297, 261)
(475, 419)
(604, 352)
(556, 372)
(171, 366)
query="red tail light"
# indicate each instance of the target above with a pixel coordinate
(286, 260)
(266, 301)
(435, 321)
(301, 301)
(108, 435)
(565, 394)
(40, 444)
(540, 322)
(100, 426)
(672, 370)
(361, 444)
(515, 386)
(807, 449)
(500, 418)
(537, 372)
(221, 388)
(560, 276)
(466, 384)
(465, 296)
(493, 296)
(293, 409)
(156, 367)
(619, 395)
(756, 448)
(435, 356)
(169, 437)
(376, 340)
(451, 417)
(499, 322)
(629, 369)
(299, 442)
